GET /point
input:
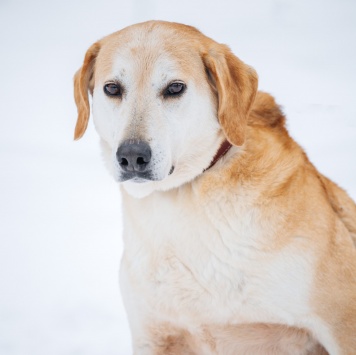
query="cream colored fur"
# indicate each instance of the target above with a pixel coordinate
(255, 255)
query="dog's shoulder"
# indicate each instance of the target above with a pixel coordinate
(266, 112)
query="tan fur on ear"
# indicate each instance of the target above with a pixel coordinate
(82, 83)
(236, 84)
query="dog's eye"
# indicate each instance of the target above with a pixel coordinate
(174, 89)
(112, 89)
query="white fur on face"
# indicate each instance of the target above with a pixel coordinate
(182, 132)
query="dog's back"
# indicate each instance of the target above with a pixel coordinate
(265, 111)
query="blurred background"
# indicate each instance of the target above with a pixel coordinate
(60, 213)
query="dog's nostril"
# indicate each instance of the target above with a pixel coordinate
(124, 162)
(141, 161)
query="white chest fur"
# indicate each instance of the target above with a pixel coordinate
(194, 261)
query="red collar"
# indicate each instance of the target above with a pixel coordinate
(224, 148)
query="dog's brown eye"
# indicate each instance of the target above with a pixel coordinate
(112, 89)
(174, 89)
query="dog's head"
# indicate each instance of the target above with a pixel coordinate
(164, 99)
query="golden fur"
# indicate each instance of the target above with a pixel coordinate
(296, 207)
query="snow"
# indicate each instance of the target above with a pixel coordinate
(60, 211)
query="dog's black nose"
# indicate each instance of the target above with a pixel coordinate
(134, 156)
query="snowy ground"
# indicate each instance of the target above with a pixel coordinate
(60, 212)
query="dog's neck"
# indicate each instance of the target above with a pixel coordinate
(224, 148)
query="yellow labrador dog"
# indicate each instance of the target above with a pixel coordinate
(234, 242)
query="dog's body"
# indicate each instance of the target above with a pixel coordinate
(252, 255)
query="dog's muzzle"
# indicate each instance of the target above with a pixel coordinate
(134, 159)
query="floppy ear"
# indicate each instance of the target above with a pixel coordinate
(83, 81)
(236, 84)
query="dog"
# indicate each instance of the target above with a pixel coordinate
(234, 242)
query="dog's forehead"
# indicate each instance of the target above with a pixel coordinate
(142, 50)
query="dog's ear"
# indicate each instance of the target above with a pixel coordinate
(84, 82)
(236, 85)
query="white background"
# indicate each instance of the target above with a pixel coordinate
(60, 219)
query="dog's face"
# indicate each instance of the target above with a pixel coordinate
(164, 99)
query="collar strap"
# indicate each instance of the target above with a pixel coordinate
(224, 148)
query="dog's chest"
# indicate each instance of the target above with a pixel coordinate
(193, 262)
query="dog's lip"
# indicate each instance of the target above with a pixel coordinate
(140, 178)
(136, 177)
(171, 171)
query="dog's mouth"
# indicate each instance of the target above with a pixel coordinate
(142, 177)
(138, 180)
(137, 177)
